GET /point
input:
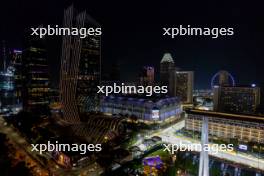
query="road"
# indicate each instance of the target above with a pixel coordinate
(42, 169)
(168, 135)
(20, 145)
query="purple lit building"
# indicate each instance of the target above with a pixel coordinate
(152, 109)
(154, 161)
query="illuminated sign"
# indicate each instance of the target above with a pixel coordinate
(155, 114)
(242, 147)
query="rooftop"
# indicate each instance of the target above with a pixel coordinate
(167, 58)
(254, 118)
(146, 101)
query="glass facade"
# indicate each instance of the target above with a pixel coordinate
(7, 89)
(36, 76)
(89, 75)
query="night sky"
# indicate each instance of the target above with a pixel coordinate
(132, 34)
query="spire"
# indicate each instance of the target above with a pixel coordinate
(167, 58)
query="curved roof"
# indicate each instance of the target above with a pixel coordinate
(97, 128)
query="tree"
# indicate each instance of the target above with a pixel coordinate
(5, 162)
(21, 170)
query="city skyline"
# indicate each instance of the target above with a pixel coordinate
(138, 89)
(123, 35)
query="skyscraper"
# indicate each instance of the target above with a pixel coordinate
(18, 75)
(181, 85)
(237, 99)
(3, 56)
(7, 99)
(80, 67)
(146, 76)
(36, 76)
(166, 67)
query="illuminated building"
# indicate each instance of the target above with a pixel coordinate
(4, 56)
(152, 165)
(238, 99)
(11, 82)
(7, 89)
(35, 92)
(181, 85)
(158, 109)
(80, 67)
(166, 67)
(203, 93)
(153, 161)
(18, 75)
(244, 128)
(146, 77)
(203, 99)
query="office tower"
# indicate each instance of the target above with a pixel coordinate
(146, 76)
(3, 56)
(80, 67)
(181, 85)
(18, 75)
(7, 100)
(216, 97)
(166, 67)
(36, 81)
(238, 99)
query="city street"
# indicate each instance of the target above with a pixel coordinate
(169, 135)
(33, 157)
